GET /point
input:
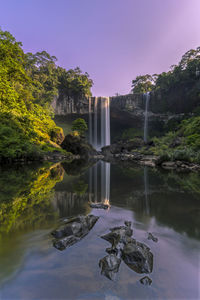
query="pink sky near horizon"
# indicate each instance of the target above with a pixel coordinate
(113, 40)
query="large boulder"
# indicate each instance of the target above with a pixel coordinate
(57, 135)
(73, 231)
(138, 257)
(109, 266)
(78, 146)
(122, 147)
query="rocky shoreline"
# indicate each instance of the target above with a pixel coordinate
(152, 161)
(130, 152)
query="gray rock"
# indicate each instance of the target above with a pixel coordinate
(99, 205)
(151, 237)
(119, 236)
(110, 266)
(138, 257)
(73, 231)
(146, 280)
(169, 165)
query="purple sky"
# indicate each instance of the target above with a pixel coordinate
(113, 40)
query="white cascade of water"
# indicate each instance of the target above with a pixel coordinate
(90, 122)
(147, 98)
(99, 122)
(95, 122)
(105, 121)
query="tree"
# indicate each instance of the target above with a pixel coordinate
(74, 83)
(42, 69)
(80, 125)
(143, 83)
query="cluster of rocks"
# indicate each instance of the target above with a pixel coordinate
(135, 255)
(180, 165)
(99, 205)
(124, 152)
(73, 231)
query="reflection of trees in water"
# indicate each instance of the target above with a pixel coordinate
(28, 203)
(170, 197)
(69, 204)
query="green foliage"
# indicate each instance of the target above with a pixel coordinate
(25, 196)
(182, 144)
(80, 126)
(28, 84)
(143, 83)
(74, 83)
(131, 133)
(177, 90)
(42, 69)
(183, 154)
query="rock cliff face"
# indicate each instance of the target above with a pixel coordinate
(64, 105)
(127, 112)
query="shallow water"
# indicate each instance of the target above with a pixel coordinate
(36, 199)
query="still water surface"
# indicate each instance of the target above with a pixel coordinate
(34, 200)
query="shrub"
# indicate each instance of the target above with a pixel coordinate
(186, 154)
(80, 125)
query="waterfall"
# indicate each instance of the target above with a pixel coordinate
(99, 122)
(99, 183)
(90, 121)
(95, 122)
(147, 98)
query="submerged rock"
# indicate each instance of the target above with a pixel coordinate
(151, 237)
(99, 205)
(73, 231)
(110, 266)
(119, 236)
(138, 257)
(146, 280)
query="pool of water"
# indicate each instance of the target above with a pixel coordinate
(34, 200)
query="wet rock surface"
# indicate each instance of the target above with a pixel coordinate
(138, 257)
(152, 237)
(135, 255)
(73, 231)
(99, 205)
(110, 266)
(146, 280)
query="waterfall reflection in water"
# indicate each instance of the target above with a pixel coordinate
(146, 190)
(99, 183)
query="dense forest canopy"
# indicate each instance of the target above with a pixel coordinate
(177, 90)
(28, 84)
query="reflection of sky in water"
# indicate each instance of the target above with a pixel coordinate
(39, 271)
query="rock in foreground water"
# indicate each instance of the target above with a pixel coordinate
(73, 231)
(99, 205)
(146, 280)
(152, 237)
(138, 257)
(109, 266)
